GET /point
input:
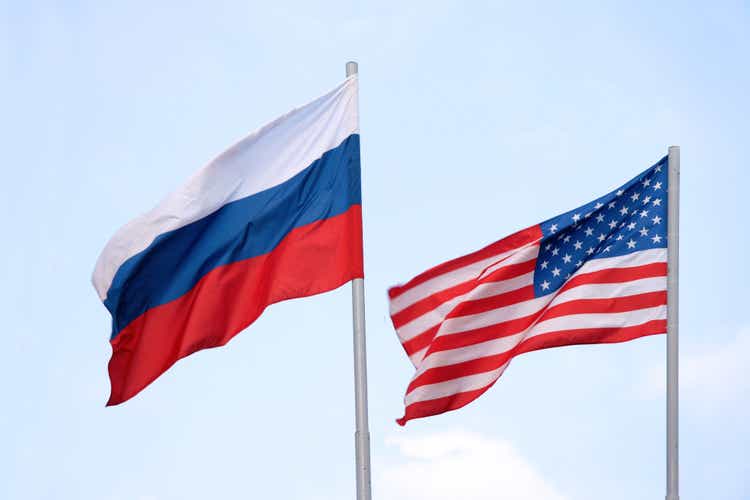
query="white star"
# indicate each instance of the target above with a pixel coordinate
(658, 169)
(631, 244)
(644, 232)
(590, 250)
(545, 285)
(619, 237)
(589, 231)
(646, 200)
(548, 246)
(656, 238)
(555, 251)
(553, 228)
(612, 224)
(635, 196)
(644, 213)
(587, 215)
(577, 245)
(631, 226)
(657, 186)
(545, 264)
(656, 219)
(567, 276)
(601, 237)
(624, 211)
(657, 202)
(646, 183)
(619, 192)
(598, 205)
(607, 248)
(611, 204)
(555, 272)
(567, 258)
(576, 217)
(579, 263)
(600, 218)
(567, 238)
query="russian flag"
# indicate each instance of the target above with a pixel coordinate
(277, 216)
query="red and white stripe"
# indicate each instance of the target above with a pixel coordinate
(463, 321)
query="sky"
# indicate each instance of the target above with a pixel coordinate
(477, 119)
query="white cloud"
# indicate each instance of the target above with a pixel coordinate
(710, 374)
(457, 464)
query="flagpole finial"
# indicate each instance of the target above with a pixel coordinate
(352, 68)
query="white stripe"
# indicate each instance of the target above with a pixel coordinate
(431, 318)
(423, 323)
(599, 320)
(266, 158)
(454, 386)
(461, 354)
(416, 358)
(639, 258)
(612, 290)
(578, 321)
(494, 316)
(449, 279)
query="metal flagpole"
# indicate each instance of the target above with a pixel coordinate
(673, 252)
(362, 434)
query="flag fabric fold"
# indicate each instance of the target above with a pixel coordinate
(275, 217)
(593, 275)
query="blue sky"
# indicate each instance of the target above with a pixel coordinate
(477, 119)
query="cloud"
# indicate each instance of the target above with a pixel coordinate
(714, 373)
(458, 464)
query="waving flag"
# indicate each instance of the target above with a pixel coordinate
(596, 274)
(276, 216)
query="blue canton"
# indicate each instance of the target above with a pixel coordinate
(629, 219)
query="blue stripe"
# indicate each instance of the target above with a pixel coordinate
(242, 229)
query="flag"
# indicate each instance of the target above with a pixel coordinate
(593, 275)
(276, 216)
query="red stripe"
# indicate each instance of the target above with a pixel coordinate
(617, 275)
(484, 334)
(505, 299)
(427, 304)
(613, 305)
(421, 341)
(515, 240)
(553, 339)
(486, 304)
(440, 405)
(311, 259)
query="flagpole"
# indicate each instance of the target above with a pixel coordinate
(362, 434)
(673, 251)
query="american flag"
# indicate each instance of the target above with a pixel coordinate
(596, 274)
